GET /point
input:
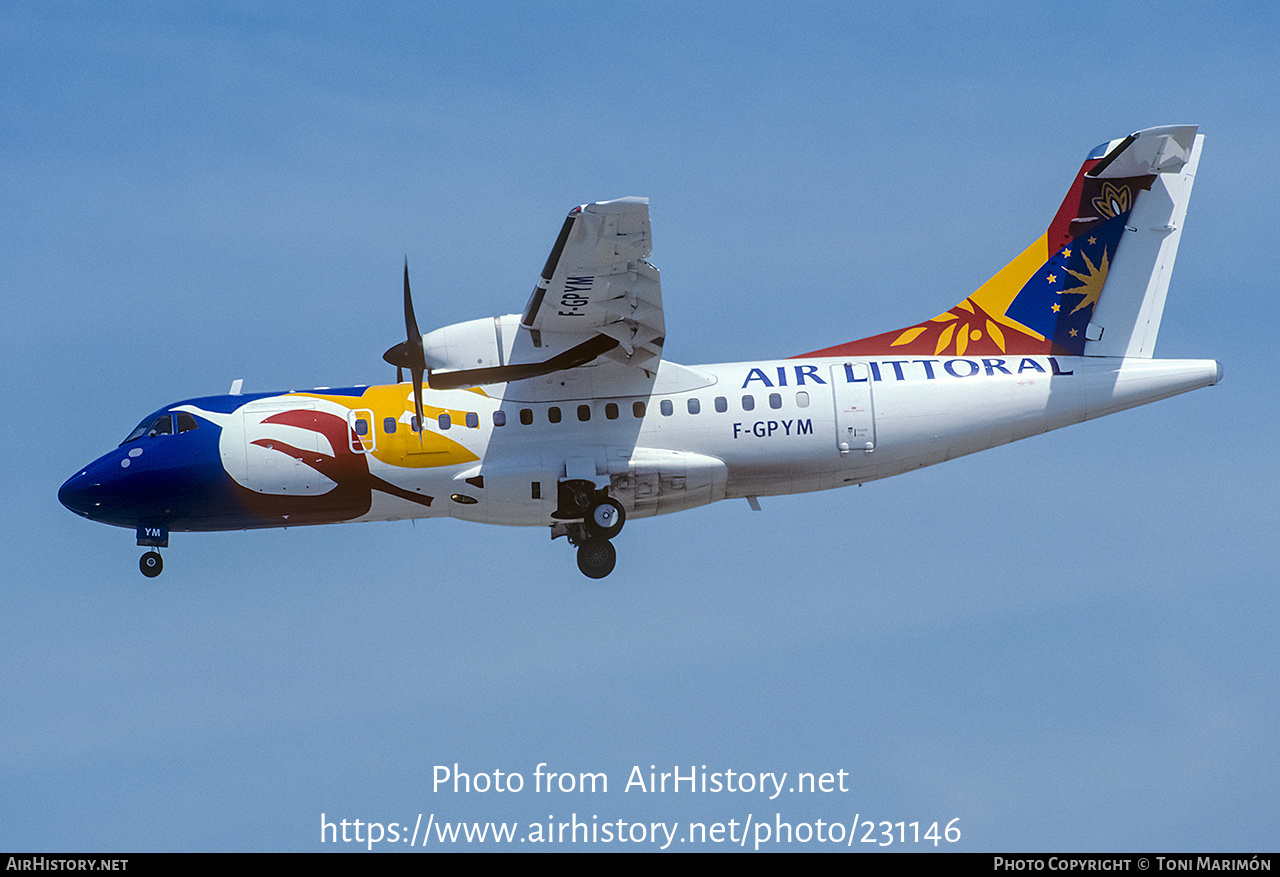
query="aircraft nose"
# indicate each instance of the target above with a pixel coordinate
(108, 490)
(81, 494)
(101, 491)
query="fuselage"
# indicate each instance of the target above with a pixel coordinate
(496, 454)
(569, 414)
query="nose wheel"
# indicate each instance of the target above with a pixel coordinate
(151, 564)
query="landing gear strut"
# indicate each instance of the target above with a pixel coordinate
(151, 564)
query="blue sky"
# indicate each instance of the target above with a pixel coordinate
(1066, 643)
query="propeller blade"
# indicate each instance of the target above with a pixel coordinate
(410, 322)
(417, 398)
(409, 353)
(419, 357)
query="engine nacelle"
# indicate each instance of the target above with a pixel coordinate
(483, 343)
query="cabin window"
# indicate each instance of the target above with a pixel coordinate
(388, 425)
(362, 426)
(445, 420)
(584, 413)
(414, 425)
(473, 420)
(748, 403)
(637, 409)
(499, 418)
(722, 404)
(185, 422)
(775, 400)
(611, 410)
(694, 406)
(802, 399)
(526, 416)
(553, 414)
(666, 408)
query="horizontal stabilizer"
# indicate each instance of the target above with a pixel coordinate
(1153, 151)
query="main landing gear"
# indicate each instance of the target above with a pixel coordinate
(596, 557)
(596, 554)
(602, 519)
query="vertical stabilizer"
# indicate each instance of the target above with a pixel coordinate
(1094, 283)
(1127, 318)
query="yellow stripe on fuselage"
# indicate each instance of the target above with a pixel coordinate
(404, 447)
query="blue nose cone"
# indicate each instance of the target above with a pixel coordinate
(95, 492)
(80, 493)
(110, 491)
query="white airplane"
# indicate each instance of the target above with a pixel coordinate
(566, 416)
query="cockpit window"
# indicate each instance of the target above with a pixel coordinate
(163, 425)
(139, 431)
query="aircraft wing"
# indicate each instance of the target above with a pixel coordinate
(597, 302)
(597, 287)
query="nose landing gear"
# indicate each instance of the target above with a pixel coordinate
(152, 536)
(151, 564)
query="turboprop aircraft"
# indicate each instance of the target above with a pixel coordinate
(566, 416)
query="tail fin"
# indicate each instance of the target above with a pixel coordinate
(1094, 283)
